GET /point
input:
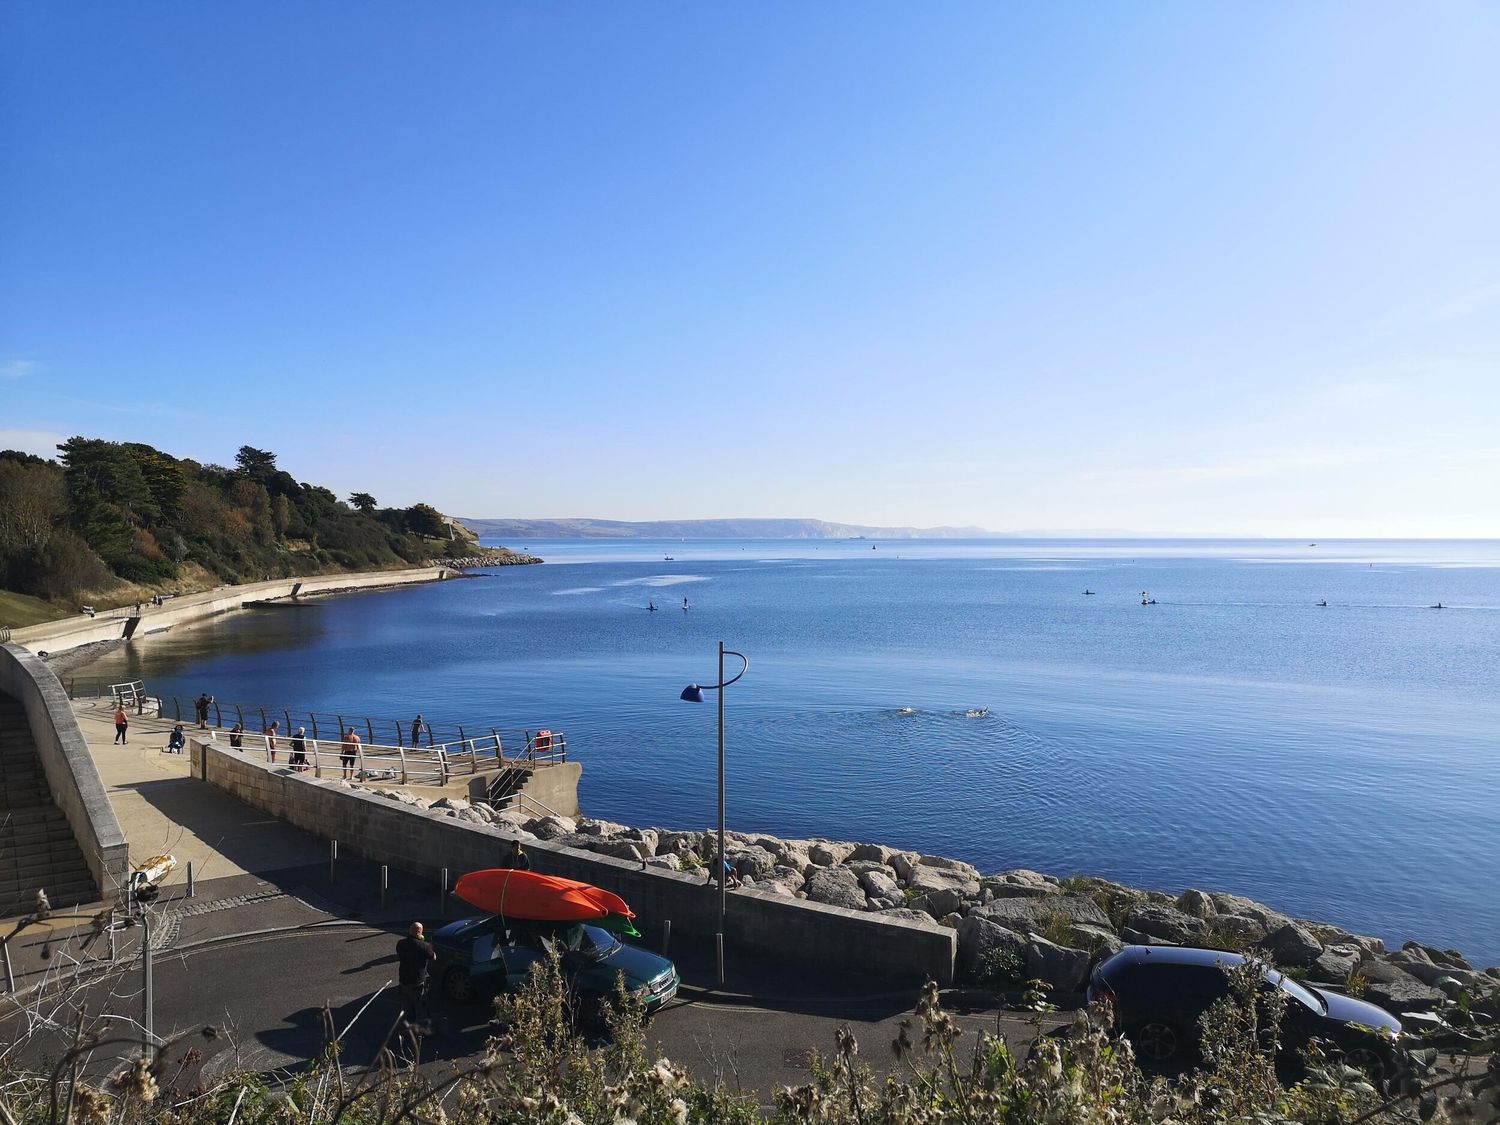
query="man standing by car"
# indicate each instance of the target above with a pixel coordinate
(415, 954)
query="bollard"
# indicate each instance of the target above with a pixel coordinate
(111, 943)
(385, 883)
(443, 896)
(666, 936)
(719, 943)
(10, 975)
(191, 891)
(333, 857)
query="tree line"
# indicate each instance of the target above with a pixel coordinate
(109, 512)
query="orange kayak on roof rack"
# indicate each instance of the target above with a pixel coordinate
(537, 898)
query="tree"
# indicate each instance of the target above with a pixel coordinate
(425, 520)
(255, 463)
(363, 501)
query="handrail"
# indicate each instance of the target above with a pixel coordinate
(520, 796)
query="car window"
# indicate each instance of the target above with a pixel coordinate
(1295, 990)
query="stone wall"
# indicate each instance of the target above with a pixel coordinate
(109, 625)
(71, 774)
(424, 841)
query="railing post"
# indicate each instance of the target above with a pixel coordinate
(530, 750)
(385, 883)
(317, 761)
(443, 895)
(443, 765)
(218, 715)
(177, 708)
(287, 715)
(403, 764)
(239, 716)
(191, 891)
(499, 753)
(333, 858)
(370, 730)
(262, 718)
(313, 717)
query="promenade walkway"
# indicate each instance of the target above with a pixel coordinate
(163, 809)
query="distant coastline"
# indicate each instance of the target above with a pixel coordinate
(584, 528)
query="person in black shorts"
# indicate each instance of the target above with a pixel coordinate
(348, 748)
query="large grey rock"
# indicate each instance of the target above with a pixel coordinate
(551, 827)
(1335, 964)
(1447, 958)
(613, 846)
(837, 886)
(590, 827)
(1032, 915)
(668, 861)
(978, 938)
(1018, 884)
(877, 852)
(1100, 941)
(1245, 920)
(781, 880)
(967, 870)
(1291, 946)
(1148, 925)
(880, 883)
(1065, 969)
(1396, 989)
(939, 903)
(923, 880)
(679, 843)
(829, 853)
(646, 837)
(906, 914)
(753, 862)
(1196, 903)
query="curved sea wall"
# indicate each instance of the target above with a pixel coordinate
(397, 829)
(122, 624)
(897, 913)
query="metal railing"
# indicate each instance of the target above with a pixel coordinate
(400, 765)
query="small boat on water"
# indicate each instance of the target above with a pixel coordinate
(669, 558)
(1088, 593)
(1324, 602)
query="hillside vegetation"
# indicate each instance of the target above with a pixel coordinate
(123, 519)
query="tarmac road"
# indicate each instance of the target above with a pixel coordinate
(265, 994)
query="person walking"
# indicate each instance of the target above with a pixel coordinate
(416, 730)
(517, 860)
(416, 955)
(348, 749)
(270, 733)
(122, 723)
(299, 750)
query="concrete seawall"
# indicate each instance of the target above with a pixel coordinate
(424, 842)
(60, 636)
(72, 777)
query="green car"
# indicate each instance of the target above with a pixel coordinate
(483, 956)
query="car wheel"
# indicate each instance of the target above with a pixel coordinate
(1156, 1041)
(458, 985)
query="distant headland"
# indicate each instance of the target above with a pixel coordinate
(583, 528)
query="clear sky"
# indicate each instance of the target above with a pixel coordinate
(1161, 267)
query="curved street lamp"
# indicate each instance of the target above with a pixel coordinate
(693, 693)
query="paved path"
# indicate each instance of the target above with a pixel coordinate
(162, 809)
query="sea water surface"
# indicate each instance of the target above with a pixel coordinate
(968, 698)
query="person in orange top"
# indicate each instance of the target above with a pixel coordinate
(121, 722)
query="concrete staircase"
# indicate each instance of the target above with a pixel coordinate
(37, 848)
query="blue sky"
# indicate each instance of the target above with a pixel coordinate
(1159, 267)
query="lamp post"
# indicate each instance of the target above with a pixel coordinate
(693, 693)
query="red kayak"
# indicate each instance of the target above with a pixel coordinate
(537, 898)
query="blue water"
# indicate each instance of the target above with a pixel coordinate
(1339, 763)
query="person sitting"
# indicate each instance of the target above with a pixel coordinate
(177, 741)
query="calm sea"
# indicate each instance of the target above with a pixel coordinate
(968, 698)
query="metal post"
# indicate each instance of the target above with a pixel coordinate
(370, 730)
(723, 859)
(190, 892)
(385, 883)
(10, 974)
(443, 895)
(150, 1023)
(333, 857)
(666, 936)
(111, 943)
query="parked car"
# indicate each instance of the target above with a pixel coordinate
(491, 954)
(1160, 992)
